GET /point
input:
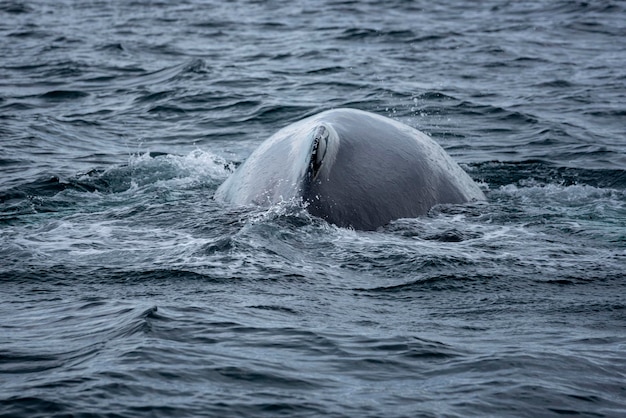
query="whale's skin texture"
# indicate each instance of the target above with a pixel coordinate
(352, 168)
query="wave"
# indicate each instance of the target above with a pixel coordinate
(501, 173)
(82, 330)
(145, 173)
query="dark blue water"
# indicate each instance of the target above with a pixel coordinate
(127, 291)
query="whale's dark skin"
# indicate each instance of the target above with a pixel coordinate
(352, 168)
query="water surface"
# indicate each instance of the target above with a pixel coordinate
(128, 291)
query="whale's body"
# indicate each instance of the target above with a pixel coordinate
(352, 168)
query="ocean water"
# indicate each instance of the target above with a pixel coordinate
(126, 290)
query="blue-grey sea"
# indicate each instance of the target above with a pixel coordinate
(126, 290)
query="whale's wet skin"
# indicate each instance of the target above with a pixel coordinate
(352, 168)
(128, 290)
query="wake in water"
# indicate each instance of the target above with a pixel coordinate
(134, 205)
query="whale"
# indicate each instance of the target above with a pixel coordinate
(353, 168)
